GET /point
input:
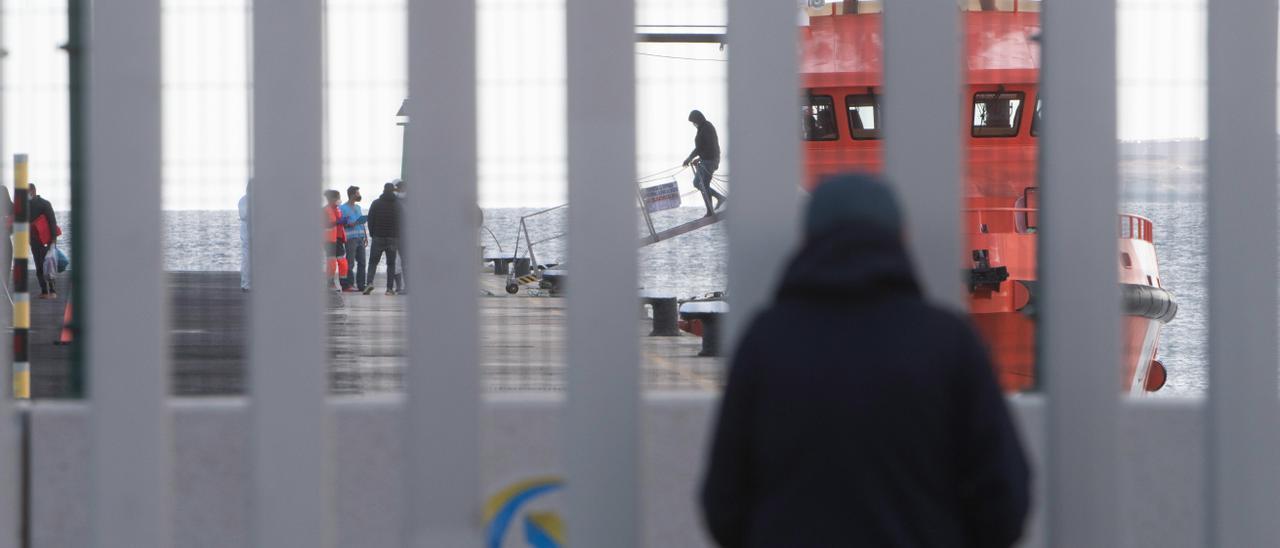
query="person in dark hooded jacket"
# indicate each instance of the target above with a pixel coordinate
(705, 160)
(856, 413)
(44, 235)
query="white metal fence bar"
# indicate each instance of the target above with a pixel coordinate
(443, 426)
(10, 426)
(126, 352)
(288, 370)
(922, 55)
(764, 99)
(602, 434)
(1079, 325)
(1242, 490)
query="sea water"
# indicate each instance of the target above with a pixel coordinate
(691, 265)
(695, 264)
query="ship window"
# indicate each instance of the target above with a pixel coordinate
(997, 114)
(864, 116)
(818, 117)
(1035, 119)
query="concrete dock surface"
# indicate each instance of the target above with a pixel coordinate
(522, 341)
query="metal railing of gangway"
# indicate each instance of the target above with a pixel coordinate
(525, 239)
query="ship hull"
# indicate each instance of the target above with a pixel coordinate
(1006, 315)
(1011, 338)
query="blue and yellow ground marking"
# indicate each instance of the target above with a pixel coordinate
(542, 529)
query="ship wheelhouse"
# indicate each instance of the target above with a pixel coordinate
(843, 130)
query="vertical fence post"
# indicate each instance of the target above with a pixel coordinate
(922, 45)
(125, 336)
(602, 427)
(78, 25)
(11, 454)
(442, 443)
(1240, 428)
(287, 362)
(1079, 326)
(764, 99)
(21, 373)
(10, 427)
(20, 388)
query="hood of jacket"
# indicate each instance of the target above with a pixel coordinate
(851, 262)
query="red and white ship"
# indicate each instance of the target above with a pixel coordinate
(842, 77)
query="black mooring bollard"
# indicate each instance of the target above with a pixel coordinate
(665, 316)
(710, 335)
(501, 265)
(709, 313)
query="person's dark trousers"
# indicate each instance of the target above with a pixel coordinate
(38, 253)
(702, 172)
(381, 245)
(355, 264)
(401, 277)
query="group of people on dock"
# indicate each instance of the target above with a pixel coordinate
(348, 232)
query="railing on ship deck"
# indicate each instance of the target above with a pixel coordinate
(1137, 227)
(841, 7)
(985, 220)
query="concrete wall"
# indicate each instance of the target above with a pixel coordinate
(1161, 489)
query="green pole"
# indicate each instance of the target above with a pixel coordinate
(77, 32)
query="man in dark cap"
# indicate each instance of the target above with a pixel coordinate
(856, 413)
(705, 159)
(384, 229)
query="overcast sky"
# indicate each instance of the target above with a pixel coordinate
(521, 87)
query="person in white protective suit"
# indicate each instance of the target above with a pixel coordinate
(244, 238)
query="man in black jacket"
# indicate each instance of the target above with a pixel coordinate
(856, 413)
(705, 159)
(384, 232)
(43, 234)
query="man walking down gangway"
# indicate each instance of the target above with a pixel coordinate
(705, 160)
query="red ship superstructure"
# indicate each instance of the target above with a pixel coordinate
(841, 73)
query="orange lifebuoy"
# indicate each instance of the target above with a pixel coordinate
(1156, 376)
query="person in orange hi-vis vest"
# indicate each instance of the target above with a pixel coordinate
(335, 239)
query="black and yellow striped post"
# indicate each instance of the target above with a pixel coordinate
(21, 298)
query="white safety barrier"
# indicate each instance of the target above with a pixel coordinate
(601, 437)
(291, 470)
(1159, 492)
(441, 427)
(128, 369)
(289, 436)
(1243, 490)
(1079, 321)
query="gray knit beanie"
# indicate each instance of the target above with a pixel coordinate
(852, 198)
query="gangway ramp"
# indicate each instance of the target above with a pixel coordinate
(651, 199)
(685, 228)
